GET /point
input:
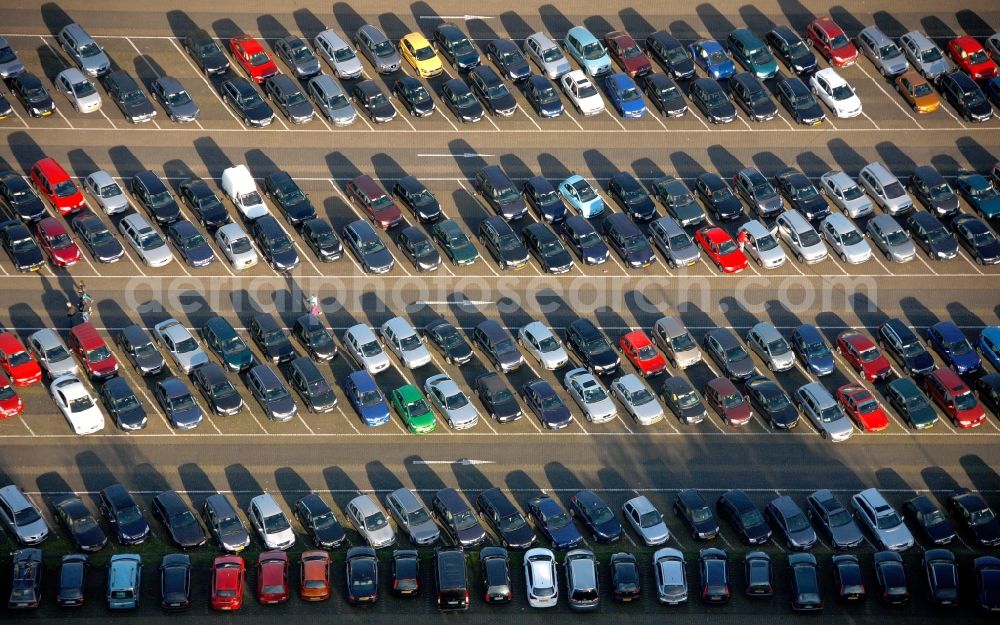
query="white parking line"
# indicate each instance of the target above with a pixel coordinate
(347, 252)
(886, 93)
(252, 414)
(211, 88)
(612, 116)
(568, 114)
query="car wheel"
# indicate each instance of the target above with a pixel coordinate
(979, 260)
(770, 366)
(843, 257)
(799, 257)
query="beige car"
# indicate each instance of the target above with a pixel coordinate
(675, 341)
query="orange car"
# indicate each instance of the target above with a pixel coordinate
(314, 578)
(917, 92)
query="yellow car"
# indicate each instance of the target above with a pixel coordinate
(420, 55)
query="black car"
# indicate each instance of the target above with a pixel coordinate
(373, 101)
(713, 569)
(324, 530)
(729, 354)
(457, 518)
(899, 341)
(495, 568)
(503, 243)
(708, 95)
(412, 194)
(414, 96)
(311, 333)
(182, 525)
(32, 94)
(190, 243)
(122, 404)
(933, 191)
(671, 54)
(456, 48)
(417, 246)
(590, 345)
(807, 595)
(628, 241)
(361, 576)
(941, 570)
(500, 402)
(718, 198)
(22, 248)
(449, 341)
(206, 206)
(217, 389)
(631, 197)
(508, 59)
(241, 96)
(931, 236)
(929, 520)
(735, 507)
(847, 577)
(541, 196)
(596, 516)
(581, 237)
(153, 195)
(801, 194)
(543, 400)
(321, 239)
(130, 99)
(289, 98)
(757, 573)
(26, 579)
(771, 402)
(625, 578)
(988, 390)
(799, 101)
(496, 188)
(460, 100)
(752, 97)
(206, 52)
(492, 91)
(366, 245)
(274, 244)
(72, 580)
(793, 51)
(451, 579)
(123, 515)
(271, 339)
(975, 515)
(175, 581)
(664, 93)
(553, 522)
(289, 198)
(965, 95)
(82, 527)
(543, 97)
(682, 400)
(977, 239)
(224, 523)
(314, 389)
(546, 247)
(890, 575)
(506, 520)
(692, 508)
(404, 571)
(92, 232)
(20, 198)
(987, 570)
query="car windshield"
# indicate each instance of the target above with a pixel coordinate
(498, 91)
(209, 48)
(937, 234)
(88, 50)
(922, 89)
(276, 523)
(193, 241)
(295, 98)
(916, 402)
(941, 192)
(965, 401)
(7, 55)
(766, 242)
(178, 98)
(7, 392)
(151, 241)
(60, 241)
(594, 393)
(775, 401)
(549, 402)
(763, 190)
(276, 393)
(22, 245)
(842, 92)
(65, 188)
(370, 349)
(699, 515)
(589, 239)
(551, 55)
(957, 348)
(889, 51)
(930, 55)
(732, 400)
(641, 397)
(408, 343)
(369, 399)
(983, 191)
(646, 352)
(509, 242)
(727, 247)
(302, 53)
(222, 389)
(110, 190)
(456, 401)
(635, 243)
(839, 517)
(507, 194)
(667, 92)
(808, 238)
(717, 58)
(714, 97)
(735, 354)
(630, 94)
(978, 57)
(894, 190)
(502, 396)
(548, 344)
(852, 237)
(830, 414)
(593, 51)
(33, 93)
(377, 99)
(241, 245)
(981, 517)
(343, 54)
(98, 355)
(184, 402)
(83, 89)
(551, 248)
(372, 246)
(586, 90)
(869, 355)
(760, 56)
(26, 516)
(584, 191)
(679, 242)
(258, 59)
(982, 239)
(752, 517)
(888, 521)
(868, 405)
(463, 99)
(186, 345)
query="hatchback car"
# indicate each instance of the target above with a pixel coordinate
(181, 524)
(366, 246)
(224, 523)
(646, 521)
(369, 521)
(542, 587)
(670, 576)
(272, 396)
(21, 516)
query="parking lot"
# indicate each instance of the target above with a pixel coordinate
(334, 453)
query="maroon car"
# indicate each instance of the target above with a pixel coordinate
(627, 53)
(723, 396)
(57, 243)
(374, 201)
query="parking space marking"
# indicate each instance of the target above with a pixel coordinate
(782, 118)
(617, 121)
(350, 205)
(209, 85)
(886, 93)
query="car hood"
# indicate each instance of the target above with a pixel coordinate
(191, 360)
(861, 249)
(259, 110)
(425, 532)
(300, 110)
(764, 108)
(558, 415)
(602, 408)
(741, 368)
(282, 407)
(349, 67)
(416, 356)
(465, 414)
(642, 256)
(896, 536)
(143, 108)
(847, 534)
(821, 364)
(11, 68)
(215, 62)
(229, 403)
(133, 418)
(188, 109)
(308, 68)
(521, 537)
(648, 412)
(187, 418)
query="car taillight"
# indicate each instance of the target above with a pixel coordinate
(395, 583)
(439, 599)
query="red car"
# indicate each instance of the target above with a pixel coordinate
(953, 396)
(272, 577)
(727, 400)
(57, 243)
(252, 57)
(374, 201)
(972, 58)
(228, 573)
(627, 53)
(17, 362)
(52, 181)
(721, 248)
(832, 42)
(314, 575)
(860, 352)
(10, 404)
(862, 406)
(642, 353)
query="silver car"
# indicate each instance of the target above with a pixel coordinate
(79, 90)
(403, 340)
(412, 516)
(840, 189)
(882, 520)
(670, 576)
(673, 338)
(21, 516)
(83, 50)
(236, 246)
(762, 246)
(638, 399)
(891, 239)
(884, 54)
(674, 242)
(765, 340)
(10, 65)
(588, 393)
(888, 192)
(542, 343)
(51, 353)
(376, 47)
(546, 54)
(646, 520)
(845, 239)
(108, 194)
(369, 520)
(799, 235)
(180, 344)
(329, 98)
(364, 348)
(824, 412)
(341, 56)
(175, 99)
(926, 57)
(147, 242)
(451, 402)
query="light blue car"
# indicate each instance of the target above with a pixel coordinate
(582, 196)
(588, 51)
(989, 345)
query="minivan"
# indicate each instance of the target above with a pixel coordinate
(124, 574)
(270, 393)
(93, 352)
(499, 192)
(451, 579)
(314, 389)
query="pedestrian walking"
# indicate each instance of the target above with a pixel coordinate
(742, 238)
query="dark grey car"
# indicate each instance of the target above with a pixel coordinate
(126, 94)
(729, 354)
(224, 523)
(833, 520)
(791, 522)
(176, 400)
(270, 393)
(498, 345)
(683, 400)
(289, 98)
(367, 247)
(758, 192)
(298, 56)
(175, 99)
(217, 389)
(458, 519)
(312, 387)
(138, 348)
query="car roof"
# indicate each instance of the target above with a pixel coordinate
(948, 330)
(362, 333)
(543, 40)
(363, 381)
(677, 384)
(831, 76)
(365, 505)
(630, 382)
(334, 38)
(173, 387)
(583, 35)
(641, 504)
(879, 37)
(267, 377)
(622, 223)
(722, 385)
(266, 504)
(363, 230)
(766, 331)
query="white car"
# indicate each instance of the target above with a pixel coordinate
(77, 405)
(147, 242)
(108, 193)
(584, 95)
(403, 340)
(588, 393)
(364, 348)
(451, 402)
(80, 91)
(540, 578)
(240, 188)
(845, 239)
(836, 93)
(639, 401)
(543, 344)
(180, 344)
(271, 522)
(236, 246)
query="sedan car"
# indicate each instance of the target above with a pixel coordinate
(366, 246)
(975, 515)
(941, 570)
(771, 402)
(246, 103)
(738, 509)
(836, 93)
(721, 249)
(727, 401)
(639, 401)
(977, 239)
(322, 526)
(683, 400)
(180, 407)
(729, 354)
(492, 92)
(458, 97)
(833, 519)
(87, 535)
(402, 340)
(710, 98)
(596, 516)
(224, 523)
(540, 578)
(793, 51)
(631, 197)
(553, 522)
(712, 58)
(590, 396)
(931, 236)
(890, 575)
(218, 391)
(76, 404)
(341, 57)
(581, 236)
(981, 195)
(972, 58)
(451, 402)
(181, 524)
(987, 569)
(57, 243)
(882, 520)
(930, 521)
(792, 523)
(505, 519)
(582, 196)
(713, 569)
(917, 92)
(806, 591)
(454, 241)
(862, 355)
(314, 575)
(331, 100)
(862, 407)
(948, 340)
(546, 247)
(624, 95)
(17, 194)
(32, 94)
(368, 519)
(175, 582)
(180, 344)
(642, 353)
(373, 102)
(582, 93)
(175, 99)
(747, 91)
(543, 400)
(412, 409)
(646, 521)
(298, 56)
(79, 90)
(26, 579)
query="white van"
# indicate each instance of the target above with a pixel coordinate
(238, 184)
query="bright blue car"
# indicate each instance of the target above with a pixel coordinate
(980, 193)
(582, 196)
(588, 51)
(947, 340)
(624, 95)
(989, 345)
(366, 398)
(709, 55)
(812, 350)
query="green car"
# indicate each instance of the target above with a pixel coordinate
(413, 409)
(220, 337)
(454, 242)
(907, 400)
(752, 53)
